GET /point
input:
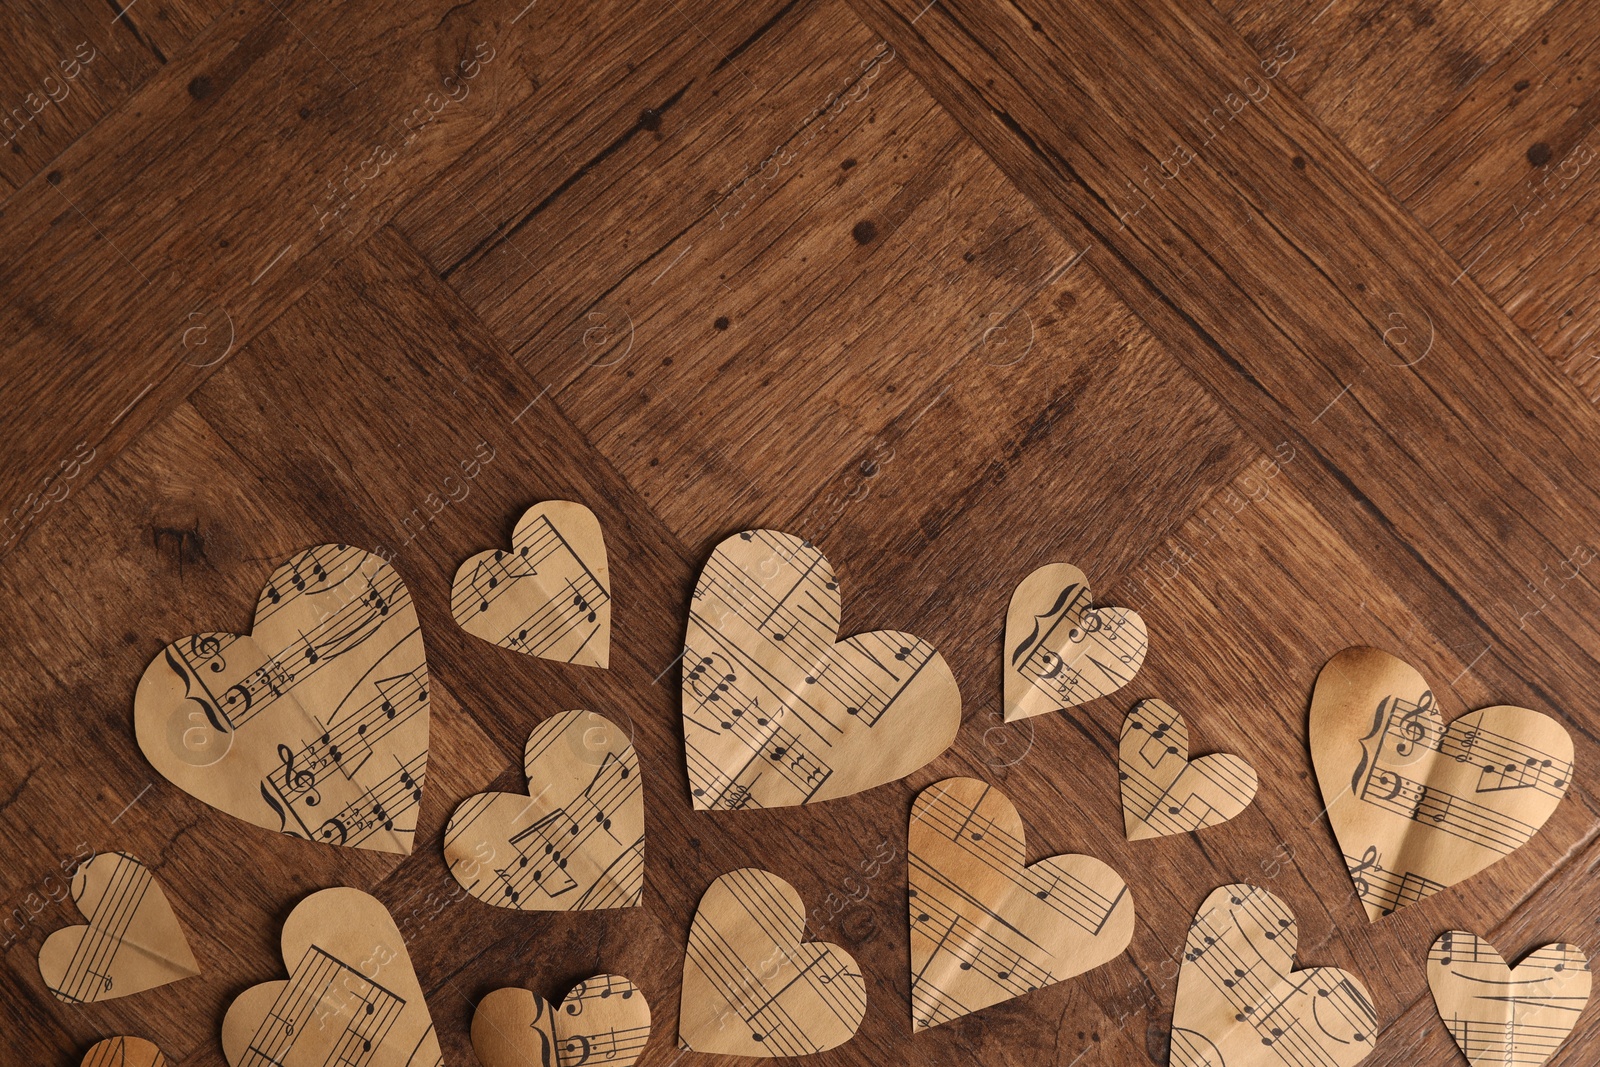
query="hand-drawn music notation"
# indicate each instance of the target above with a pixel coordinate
(1504, 1017)
(1060, 651)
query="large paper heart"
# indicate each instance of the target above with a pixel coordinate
(351, 996)
(1417, 807)
(1061, 652)
(1505, 1017)
(984, 927)
(124, 1052)
(574, 841)
(751, 987)
(549, 595)
(132, 941)
(1163, 790)
(1241, 1003)
(774, 712)
(316, 723)
(604, 1019)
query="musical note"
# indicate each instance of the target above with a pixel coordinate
(1060, 651)
(1502, 1016)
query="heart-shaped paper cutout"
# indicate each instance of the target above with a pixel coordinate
(1059, 651)
(316, 723)
(1417, 807)
(751, 987)
(774, 711)
(549, 595)
(984, 927)
(604, 1019)
(124, 1052)
(351, 996)
(132, 941)
(1163, 790)
(1241, 1003)
(1502, 1016)
(574, 841)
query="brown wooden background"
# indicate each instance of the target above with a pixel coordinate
(954, 290)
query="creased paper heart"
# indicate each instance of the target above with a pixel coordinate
(1241, 1003)
(351, 996)
(1061, 652)
(604, 1019)
(1163, 790)
(774, 712)
(985, 928)
(1502, 1016)
(751, 987)
(549, 595)
(132, 941)
(1417, 807)
(574, 841)
(316, 723)
(124, 1052)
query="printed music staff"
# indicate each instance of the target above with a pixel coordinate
(549, 595)
(124, 1052)
(315, 724)
(1059, 651)
(603, 1020)
(1502, 1016)
(1163, 790)
(775, 712)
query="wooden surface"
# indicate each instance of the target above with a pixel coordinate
(1277, 319)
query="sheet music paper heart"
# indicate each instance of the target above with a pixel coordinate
(549, 595)
(1163, 790)
(124, 1052)
(985, 928)
(132, 941)
(774, 711)
(316, 723)
(1417, 807)
(1502, 1016)
(351, 995)
(604, 1019)
(751, 987)
(1059, 651)
(574, 841)
(1241, 1003)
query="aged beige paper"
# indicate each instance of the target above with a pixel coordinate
(316, 723)
(1163, 790)
(124, 1052)
(132, 941)
(751, 987)
(1059, 651)
(1240, 1002)
(1417, 807)
(574, 841)
(604, 1019)
(1505, 1017)
(774, 711)
(351, 996)
(984, 927)
(549, 595)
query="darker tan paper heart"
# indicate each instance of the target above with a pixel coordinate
(1503, 1016)
(604, 1019)
(1059, 651)
(124, 1052)
(1163, 790)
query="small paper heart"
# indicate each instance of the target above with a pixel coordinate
(751, 987)
(548, 595)
(124, 1052)
(132, 941)
(1163, 790)
(1502, 1016)
(604, 1019)
(1059, 651)
(574, 841)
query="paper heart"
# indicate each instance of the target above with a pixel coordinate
(604, 1019)
(351, 996)
(1163, 790)
(132, 941)
(316, 723)
(124, 1052)
(1241, 1003)
(549, 595)
(985, 928)
(774, 711)
(1061, 652)
(1505, 1017)
(574, 841)
(1417, 807)
(751, 987)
